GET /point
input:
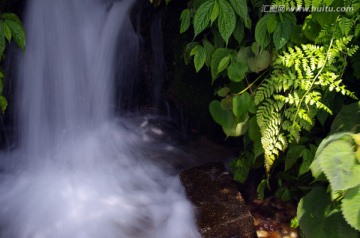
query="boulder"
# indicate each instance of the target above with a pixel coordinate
(220, 209)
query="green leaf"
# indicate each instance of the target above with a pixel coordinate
(241, 103)
(16, 28)
(241, 171)
(2, 42)
(221, 116)
(223, 64)
(315, 219)
(254, 129)
(282, 33)
(3, 103)
(325, 18)
(202, 16)
(6, 29)
(216, 57)
(222, 92)
(311, 28)
(261, 33)
(199, 57)
(271, 23)
(226, 20)
(261, 189)
(239, 32)
(237, 129)
(308, 157)
(293, 155)
(347, 119)
(284, 194)
(185, 20)
(255, 48)
(209, 50)
(214, 12)
(237, 71)
(187, 50)
(350, 206)
(241, 8)
(340, 166)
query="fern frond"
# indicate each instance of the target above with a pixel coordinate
(290, 98)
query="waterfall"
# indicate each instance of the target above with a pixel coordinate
(79, 171)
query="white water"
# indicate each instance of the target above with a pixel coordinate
(79, 172)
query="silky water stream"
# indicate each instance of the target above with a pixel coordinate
(79, 171)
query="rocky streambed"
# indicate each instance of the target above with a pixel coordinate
(221, 211)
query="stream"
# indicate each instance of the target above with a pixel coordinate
(80, 170)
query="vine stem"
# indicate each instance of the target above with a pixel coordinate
(250, 85)
(313, 81)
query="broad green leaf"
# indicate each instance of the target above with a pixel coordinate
(202, 16)
(9, 16)
(226, 20)
(221, 116)
(209, 50)
(241, 8)
(311, 28)
(340, 166)
(239, 32)
(315, 167)
(293, 155)
(6, 29)
(282, 33)
(16, 28)
(216, 57)
(226, 103)
(3, 103)
(214, 12)
(2, 41)
(185, 20)
(317, 221)
(261, 33)
(223, 64)
(238, 129)
(271, 23)
(199, 57)
(241, 104)
(237, 71)
(222, 92)
(350, 206)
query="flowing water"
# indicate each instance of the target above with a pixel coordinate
(79, 171)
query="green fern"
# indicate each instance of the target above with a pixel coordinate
(290, 98)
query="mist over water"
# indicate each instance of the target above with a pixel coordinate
(80, 172)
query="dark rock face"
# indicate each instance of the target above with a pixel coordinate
(221, 210)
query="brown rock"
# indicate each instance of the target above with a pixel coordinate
(221, 210)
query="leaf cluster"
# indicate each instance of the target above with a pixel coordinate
(337, 161)
(10, 29)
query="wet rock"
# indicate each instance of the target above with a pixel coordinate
(221, 210)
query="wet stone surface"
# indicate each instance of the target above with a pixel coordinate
(220, 209)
